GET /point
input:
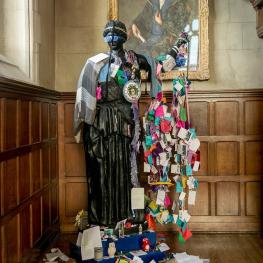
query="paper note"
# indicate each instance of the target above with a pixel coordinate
(137, 198)
(194, 144)
(138, 253)
(160, 197)
(165, 215)
(196, 166)
(90, 240)
(182, 196)
(99, 57)
(163, 247)
(146, 168)
(178, 86)
(159, 112)
(191, 197)
(114, 69)
(182, 133)
(154, 170)
(168, 137)
(175, 218)
(175, 169)
(185, 216)
(189, 171)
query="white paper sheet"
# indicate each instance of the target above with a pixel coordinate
(191, 197)
(90, 240)
(78, 243)
(137, 198)
(160, 197)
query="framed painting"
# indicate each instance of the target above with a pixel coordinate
(154, 25)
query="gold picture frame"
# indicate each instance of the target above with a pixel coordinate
(202, 70)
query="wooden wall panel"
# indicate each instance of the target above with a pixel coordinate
(226, 118)
(75, 201)
(10, 126)
(12, 242)
(201, 124)
(44, 120)
(36, 219)
(35, 121)
(226, 191)
(25, 238)
(35, 170)
(254, 125)
(254, 195)
(74, 152)
(229, 125)
(254, 157)
(226, 158)
(24, 123)
(10, 185)
(24, 177)
(26, 129)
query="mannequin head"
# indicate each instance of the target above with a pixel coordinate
(115, 34)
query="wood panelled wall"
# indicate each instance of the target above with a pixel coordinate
(230, 127)
(28, 167)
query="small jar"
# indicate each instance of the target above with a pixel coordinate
(98, 253)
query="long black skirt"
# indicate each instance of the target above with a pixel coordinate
(107, 146)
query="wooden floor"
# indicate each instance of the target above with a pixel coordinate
(219, 248)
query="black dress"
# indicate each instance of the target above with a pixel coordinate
(107, 146)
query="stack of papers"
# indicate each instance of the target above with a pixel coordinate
(185, 258)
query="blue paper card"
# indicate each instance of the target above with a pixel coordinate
(189, 170)
(179, 187)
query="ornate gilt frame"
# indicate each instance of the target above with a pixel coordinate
(203, 71)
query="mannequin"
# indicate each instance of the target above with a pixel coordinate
(110, 123)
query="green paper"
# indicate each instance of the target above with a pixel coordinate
(180, 238)
(148, 140)
(121, 80)
(157, 121)
(189, 171)
(183, 116)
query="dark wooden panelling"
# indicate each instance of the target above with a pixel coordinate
(11, 234)
(10, 185)
(53, 162)
(45, 120)
(24, 123)
(75, 202)
(10, 124)
(227, 158)
(226, 118)
(36, 219)
(74, 152)
(204, 159)
(46, 209)
(25, 230)
(54, 203)
(69, 109)
(24, 177)
(199, 117)
(53, 120)
(35, 168)
(254, 157)
(254, 195)
(226, 191)
(46, 164)
(254, 125)
(35, 121)
(23, 159)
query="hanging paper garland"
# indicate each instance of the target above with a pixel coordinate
(171, 151)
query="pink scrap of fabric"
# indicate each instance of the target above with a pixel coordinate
(98, 93)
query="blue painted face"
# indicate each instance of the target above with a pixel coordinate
(114, 41)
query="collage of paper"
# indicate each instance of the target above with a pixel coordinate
(171, 156)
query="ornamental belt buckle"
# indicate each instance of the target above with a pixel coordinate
(132, 91)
